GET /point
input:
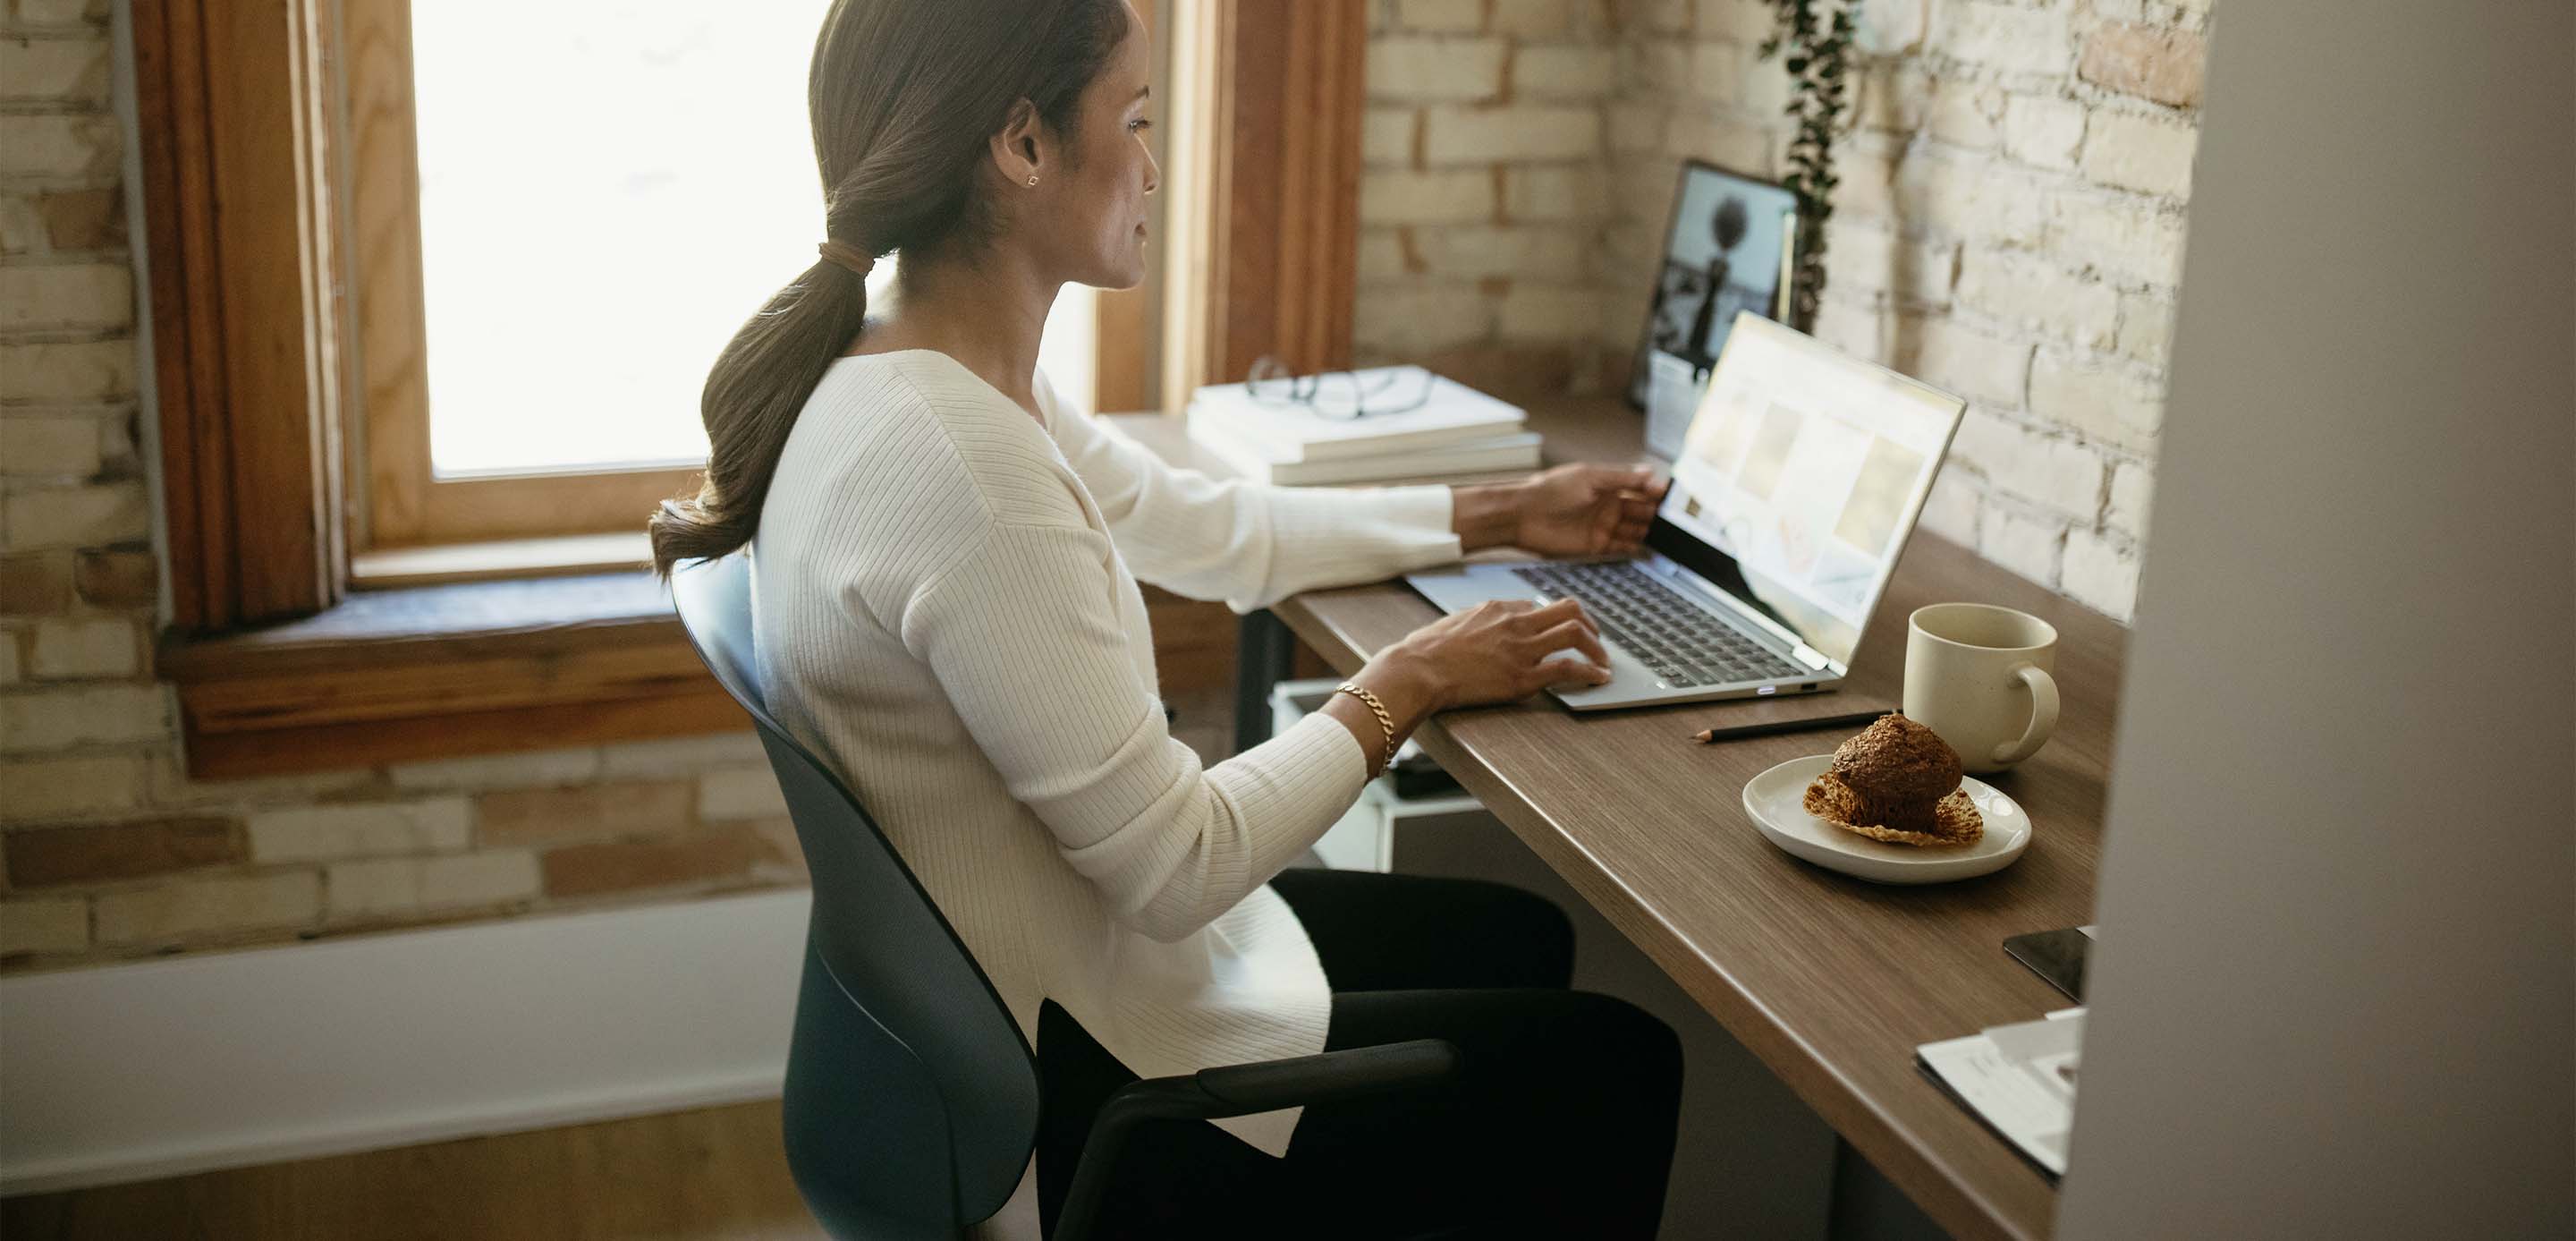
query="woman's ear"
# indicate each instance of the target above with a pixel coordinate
(1019, 147)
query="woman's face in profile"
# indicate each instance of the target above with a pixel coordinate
(1099, 216)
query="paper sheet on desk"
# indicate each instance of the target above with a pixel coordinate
(2019, 1079)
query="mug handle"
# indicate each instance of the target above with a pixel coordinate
(2043, 715)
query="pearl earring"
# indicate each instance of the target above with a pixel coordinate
(1033, 178)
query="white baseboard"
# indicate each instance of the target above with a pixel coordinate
(161, 1068)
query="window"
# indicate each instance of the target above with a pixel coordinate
(564, 211)
(297, 353)
(605, 193)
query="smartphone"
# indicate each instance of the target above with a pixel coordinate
(2056, 956)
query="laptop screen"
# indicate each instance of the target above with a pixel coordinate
(1800, 480)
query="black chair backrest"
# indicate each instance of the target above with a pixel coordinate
(912, 1098)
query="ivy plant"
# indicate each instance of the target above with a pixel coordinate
(1813, 40)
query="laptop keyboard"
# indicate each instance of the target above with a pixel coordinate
(1685, 644)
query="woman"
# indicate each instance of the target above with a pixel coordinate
(944, 572)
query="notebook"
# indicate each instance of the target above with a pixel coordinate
(1514, 451)
(2019, 1080)
(1283, 431)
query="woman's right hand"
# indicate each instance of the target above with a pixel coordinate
(1502, 650)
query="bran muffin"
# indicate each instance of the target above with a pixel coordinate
(1898, 782)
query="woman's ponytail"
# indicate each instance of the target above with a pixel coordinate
(750, 403)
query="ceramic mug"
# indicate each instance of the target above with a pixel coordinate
(1980, 676)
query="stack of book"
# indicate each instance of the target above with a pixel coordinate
(1454, 429)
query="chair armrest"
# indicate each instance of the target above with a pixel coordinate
(1330, 1077)
(1240, 1090)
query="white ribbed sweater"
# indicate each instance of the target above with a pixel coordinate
(944, 607)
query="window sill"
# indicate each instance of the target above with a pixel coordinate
(446, 564)
(490, 666)
(443, 671)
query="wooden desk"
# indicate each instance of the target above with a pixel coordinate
(1830, 981)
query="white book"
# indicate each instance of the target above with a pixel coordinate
(1518, 450)
(2019, 1080)
(1288, 431)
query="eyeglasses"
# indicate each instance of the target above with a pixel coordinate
(1344, 395)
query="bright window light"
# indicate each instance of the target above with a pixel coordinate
(608, 189)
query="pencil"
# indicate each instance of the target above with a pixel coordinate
(1707, 736)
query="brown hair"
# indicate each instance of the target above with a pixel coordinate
(904, 96)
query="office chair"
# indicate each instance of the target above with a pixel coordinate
(911, 1104)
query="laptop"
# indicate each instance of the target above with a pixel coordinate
(1797, 486)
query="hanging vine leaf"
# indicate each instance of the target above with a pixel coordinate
(1818, 49)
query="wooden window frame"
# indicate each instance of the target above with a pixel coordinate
(240, 235)
(1263, 253)
(250, 186)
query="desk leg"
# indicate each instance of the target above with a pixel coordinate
(1264, 654)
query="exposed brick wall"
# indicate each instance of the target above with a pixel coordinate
(1482, 204)
(2009, 224)
(107, 851)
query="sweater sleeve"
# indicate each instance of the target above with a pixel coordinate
(1023, 635)
(1249, 544)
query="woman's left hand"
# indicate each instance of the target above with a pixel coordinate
(1587, 510)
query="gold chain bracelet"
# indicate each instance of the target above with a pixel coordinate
(1385, 722)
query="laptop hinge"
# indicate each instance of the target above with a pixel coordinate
(1810, 656)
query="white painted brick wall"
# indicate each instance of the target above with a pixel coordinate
(358, 829)
(407, 885)
(1449, 15)
(44, 925)
(60, 787)
(34, 445)
(187, 908)
(33, 721)
(66, 296)
(2043, 131)
(1405, 196)
(2101, 572)
(1424, 319)
(1981, 366)
(61, 371)
(1546, 193)
(740, 793)
(2039, 296)
(54, 69)
(1461, 135)
(527, 769)
(2130, 485)
(1531, 18)
(2110, 400)
(2026, 543)
(1522, 252)
(85, 647)
(2009, 38)
(1563, 72)
(2008, 225)
(2151, 155)
(1386, 135)
(1451, 69)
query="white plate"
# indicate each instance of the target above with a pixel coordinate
(1774, 799)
